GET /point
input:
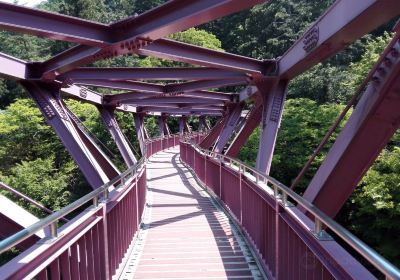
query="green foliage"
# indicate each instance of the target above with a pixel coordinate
(374, 207)
(304, 124)
(43, 182)
(322, 83)
(360, 69)
(267, 30)
(192, 36)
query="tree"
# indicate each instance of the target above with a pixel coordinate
(304, 123)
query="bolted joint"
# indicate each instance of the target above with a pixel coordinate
(271, 67)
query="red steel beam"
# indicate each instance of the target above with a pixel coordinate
(370, 127)
(133, 33)
(124, 85)
(343, 23)
(252, 122)
(209, 140)
(158, 88)
(184, 106)
(12, 67)
(173, 100)
(138, 73)
(182, 52)
(124, 98)
(204, 84)
(175, 16)
(183, 111)
(52, 25)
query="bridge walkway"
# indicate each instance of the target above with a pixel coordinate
(185, 234)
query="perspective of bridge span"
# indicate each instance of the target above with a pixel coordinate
(187, 209)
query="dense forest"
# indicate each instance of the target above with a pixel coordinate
(34, 161)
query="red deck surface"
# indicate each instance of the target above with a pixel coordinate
(187, 236)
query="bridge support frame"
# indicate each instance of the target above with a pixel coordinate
(273, 103)
(141, 132)
(163, 125)
(370, 127)
(230, 124)
(108, 116)
(93, 163)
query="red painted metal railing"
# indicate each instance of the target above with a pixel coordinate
(94, 243)
(288, 243)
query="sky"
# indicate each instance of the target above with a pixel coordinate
(29, 3)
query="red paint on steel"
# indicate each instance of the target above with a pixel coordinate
(280, 236)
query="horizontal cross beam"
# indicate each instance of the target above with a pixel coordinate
(52, 25)
(137, 73)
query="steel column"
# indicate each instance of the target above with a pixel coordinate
(82, 150)
(202, 123)
(108, 116)
(273, 103)
(182, 124)
(253, 120)
(226, 133)
(210, 138)
(161, 126)
(140, 131)
(368, 130)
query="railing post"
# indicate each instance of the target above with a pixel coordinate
(240, 194)
(205, 169)
(95, 201)
(319, 231)
(194, 159)
(103, 239)
(220, 178)
(53, 230)
(137, 198)
(278, 209)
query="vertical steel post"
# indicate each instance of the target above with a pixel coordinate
(273, 103)
(139, 125)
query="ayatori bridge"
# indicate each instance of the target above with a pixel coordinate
(188, 209)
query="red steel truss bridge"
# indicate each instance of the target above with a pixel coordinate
(187, 209)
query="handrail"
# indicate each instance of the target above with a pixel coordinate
(28, 199)
(321, 219)
(52, 219)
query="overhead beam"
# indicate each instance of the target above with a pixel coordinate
(83, 94)
(137, 73)
(52, 25)
(183, 106)
(123, 85)
(183, 111)
(124, 98)
(12, 67)
(370, 127)
(176, 100)
(134, 33)
(175, 16)
(343, 23)
(182, 52)
(203, 84)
